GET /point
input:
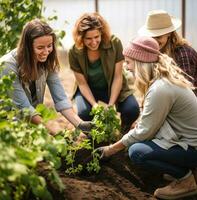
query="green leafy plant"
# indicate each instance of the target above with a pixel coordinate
(94, 165)
(46, 113)
(106, 129)
(26, 147)
(70, 148)
(14, 15)
(23, 147)
(107, 126)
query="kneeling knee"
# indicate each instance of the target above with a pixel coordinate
(136, 155)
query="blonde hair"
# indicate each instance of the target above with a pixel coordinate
(90, 21)
(147, 73)
(173, 42)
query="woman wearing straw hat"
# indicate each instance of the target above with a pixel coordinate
(162, 27)
(165, 137)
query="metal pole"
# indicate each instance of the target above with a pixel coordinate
(96, 2)
(183, 17)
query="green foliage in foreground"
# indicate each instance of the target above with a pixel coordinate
(26, 148)
(107, 126)
(106, 129)
(23, 147)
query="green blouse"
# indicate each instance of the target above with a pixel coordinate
(96, 77)
(110, 54)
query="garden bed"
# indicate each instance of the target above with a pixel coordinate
(118, 179)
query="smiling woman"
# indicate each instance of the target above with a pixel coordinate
(96, 59)
(92, 39)
(42, 47)
(35, 64)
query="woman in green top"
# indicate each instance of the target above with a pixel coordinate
(96, 59)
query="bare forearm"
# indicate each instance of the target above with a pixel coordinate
(71, 116)
(111, 149)
(115, 90)
(37, 119)
(84, 88)
(86, 92)
(118, 146)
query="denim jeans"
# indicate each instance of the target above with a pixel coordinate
(175, 161)
(129, 108)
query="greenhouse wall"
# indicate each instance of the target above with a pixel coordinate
(125, 17)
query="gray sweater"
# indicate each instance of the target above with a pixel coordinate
(169, 117)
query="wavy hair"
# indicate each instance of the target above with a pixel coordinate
(166, 68)
(29, 70)
(174, 40)
(90, 21)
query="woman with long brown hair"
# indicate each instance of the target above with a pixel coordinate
(35, 64)
(163, 28)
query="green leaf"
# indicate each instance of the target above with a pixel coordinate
(46, 113)
(19, 169)
(3, 124)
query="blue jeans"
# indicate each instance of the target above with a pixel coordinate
(175, 161)
(129, 108)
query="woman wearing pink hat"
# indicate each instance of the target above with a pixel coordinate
(165, 137)
(162, 27)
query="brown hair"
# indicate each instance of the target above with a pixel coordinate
(28, 69)
(174, 40)
(90, 21)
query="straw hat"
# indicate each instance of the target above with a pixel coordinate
(159, 22)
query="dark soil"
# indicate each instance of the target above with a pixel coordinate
(117, 180)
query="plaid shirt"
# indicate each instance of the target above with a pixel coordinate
(186, 58)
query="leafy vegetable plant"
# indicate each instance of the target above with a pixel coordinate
(23, 147)
(107, 126)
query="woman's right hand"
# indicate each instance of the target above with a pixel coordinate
(95, 105)
(53, 127)
(85, 126)
(106, 151)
